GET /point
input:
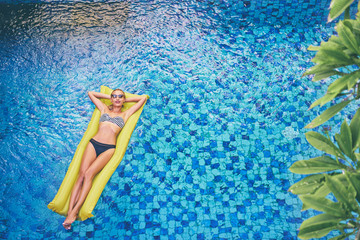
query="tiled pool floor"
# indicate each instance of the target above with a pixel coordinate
(210, 155)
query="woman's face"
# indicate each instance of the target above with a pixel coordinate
(117, 98)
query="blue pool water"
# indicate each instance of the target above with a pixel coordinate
(210, 155)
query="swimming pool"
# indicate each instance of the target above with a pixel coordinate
(210, 155)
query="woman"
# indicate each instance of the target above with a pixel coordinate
(101, 147)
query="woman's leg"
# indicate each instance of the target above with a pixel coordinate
(87, 159)
(90, 173)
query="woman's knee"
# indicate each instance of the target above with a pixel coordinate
(89, 175)
(82, 173)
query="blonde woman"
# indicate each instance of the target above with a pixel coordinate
(101, 147)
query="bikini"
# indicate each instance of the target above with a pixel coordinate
(102, 147)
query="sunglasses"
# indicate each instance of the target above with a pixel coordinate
(115, 96)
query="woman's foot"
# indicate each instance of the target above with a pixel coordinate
(68, 221)
(67, 226)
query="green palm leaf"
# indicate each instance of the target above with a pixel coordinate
(347, 38)
(355, 130)
(308, 185)
(319, 226)
(337, 7)
(322, 143)
(327, 114)
(316, 165)
(325, 205)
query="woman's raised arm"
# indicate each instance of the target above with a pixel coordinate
(95, 98)
(140, 101)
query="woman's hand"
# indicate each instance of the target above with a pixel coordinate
(95, 98)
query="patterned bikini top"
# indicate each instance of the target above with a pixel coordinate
(115, 120)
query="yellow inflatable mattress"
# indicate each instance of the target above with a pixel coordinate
(60, 203)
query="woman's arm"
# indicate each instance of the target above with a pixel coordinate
(135, 99)
(95, 98)
(140, 101)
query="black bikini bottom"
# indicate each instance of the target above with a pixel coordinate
(101, 147)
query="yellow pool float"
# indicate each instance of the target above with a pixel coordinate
(60, 203)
